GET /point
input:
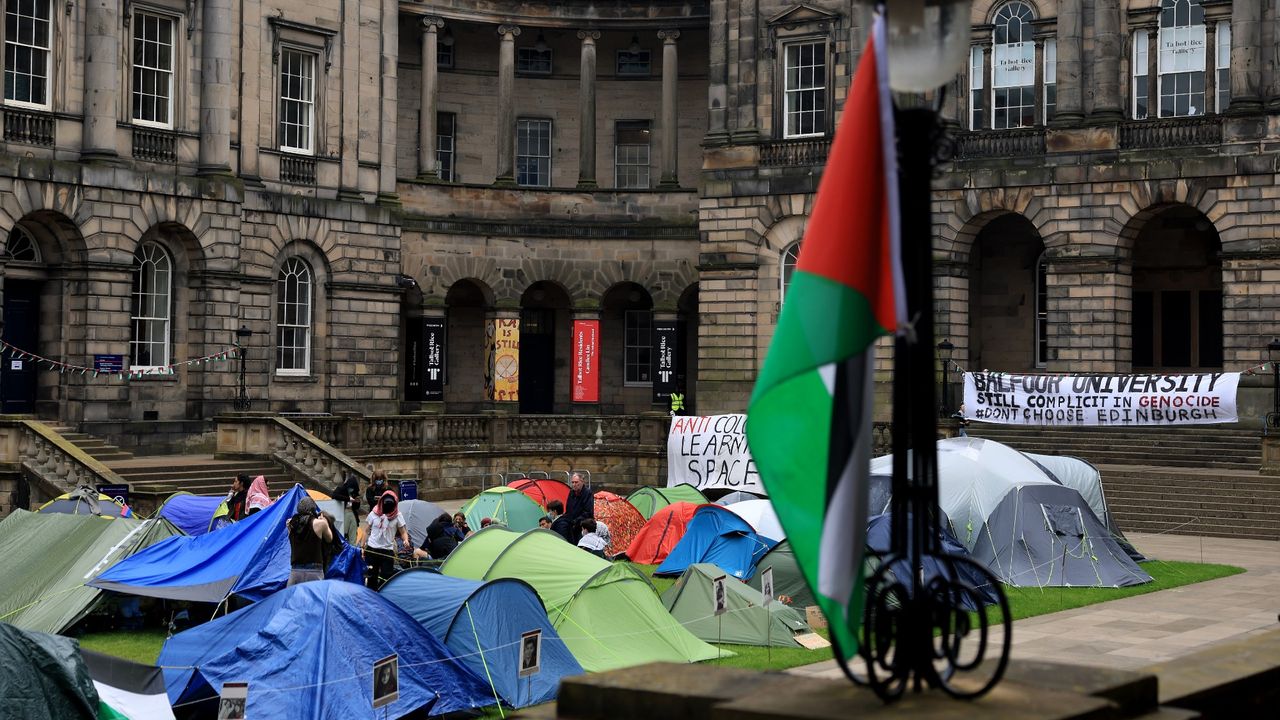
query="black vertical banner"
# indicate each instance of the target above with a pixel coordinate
(412, 361)
(433, 355)
(665, 352)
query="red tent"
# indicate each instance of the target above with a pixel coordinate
(658, 536)
(623, 519)
(543, 490)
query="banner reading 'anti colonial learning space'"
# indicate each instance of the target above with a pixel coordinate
(1055, 400)
(710, 452)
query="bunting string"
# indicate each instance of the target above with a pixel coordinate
(17, 353)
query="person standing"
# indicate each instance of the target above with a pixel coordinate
(259, 497)
(383, 526)
(348, 493)
(580, 506)
(677, 400)
(311, 539)
(377, 486)
(236, 508)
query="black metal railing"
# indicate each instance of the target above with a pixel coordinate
(31, 128)
(298, 170)
(1021, 142)
(1170, 132)
(794, 153)
(154, 145)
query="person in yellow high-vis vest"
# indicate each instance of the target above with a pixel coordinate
(677, 401)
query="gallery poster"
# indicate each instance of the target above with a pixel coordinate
(433, 355)
(503, 376)
(664, 360)
(586, 361)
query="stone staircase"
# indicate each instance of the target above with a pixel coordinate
(1184, 480)
(99, 449)
(153, 478)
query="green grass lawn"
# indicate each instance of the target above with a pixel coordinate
(140, 646)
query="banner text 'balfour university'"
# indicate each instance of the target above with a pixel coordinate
(1100, 399)
(710, 452)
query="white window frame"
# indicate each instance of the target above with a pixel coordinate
(636, 348)
(137, 26)
(817, 88)
(156, 284)
(1180, 33)
(1050, 80)
(294, 292)
(1140, 58)
(310, 59)
(522, 126)
(621, 163)
(1222, 74)
(47, 49)
(789, 258)
(1025, 38)
(977, 86)
(447, 145)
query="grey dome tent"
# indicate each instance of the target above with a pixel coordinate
(1085, 478)
(746, 620)
(787, 578)
(1024, 526)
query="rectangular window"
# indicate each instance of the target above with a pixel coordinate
(533, 152)
(977, 118)
(805, 89)
(631, 153)
(28, 36)
(639, 345)
(533, 61)
(1050, 79)
(297, 101)
(1181, 67)
(1013, 85)
(445, 138)
(444, 54)
(633, 63)
(153, 69)
(1223, 78)
(1141, 79)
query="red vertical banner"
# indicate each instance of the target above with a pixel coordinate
(586, 366)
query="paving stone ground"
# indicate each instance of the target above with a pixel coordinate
(1134, 632)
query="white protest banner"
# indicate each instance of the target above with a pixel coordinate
(710, 452)
(1070, 400)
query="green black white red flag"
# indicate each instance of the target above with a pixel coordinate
(810, 418)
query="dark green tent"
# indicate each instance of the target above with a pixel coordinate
(787, 579)
(44, 677)
(746, 621)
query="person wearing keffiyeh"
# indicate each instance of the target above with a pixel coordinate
(258, 498)
(378, 538)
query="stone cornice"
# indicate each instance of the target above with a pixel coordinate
(621, 230)
(568, 14)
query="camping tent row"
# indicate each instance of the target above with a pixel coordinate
(649, 500)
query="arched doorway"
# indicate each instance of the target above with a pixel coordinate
(1177, 292)
(1006, 289)
(544, 315)
(464, 368)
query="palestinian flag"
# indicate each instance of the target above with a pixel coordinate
(809, 422)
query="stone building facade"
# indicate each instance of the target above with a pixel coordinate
(462, 205)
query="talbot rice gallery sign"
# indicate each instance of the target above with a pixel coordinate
(1055, 400)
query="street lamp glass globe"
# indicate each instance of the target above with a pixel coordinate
(928, 43)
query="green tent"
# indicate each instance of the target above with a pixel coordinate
(787, 579)
(745, 621)
(55, 554)
(608, 614)
(44, 677)
(649, 500)
(506, 505)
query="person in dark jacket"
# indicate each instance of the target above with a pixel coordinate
(442, 537)
(559, 522)
(311, 539)
(377, 486)
(348, 493)
(580, 506)
(236, 509)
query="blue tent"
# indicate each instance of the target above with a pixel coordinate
(308, 652)
(880, 539)
(716, 535)
(481, 623)
(249, 558)
(193, 514)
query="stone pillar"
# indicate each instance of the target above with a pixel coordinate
(251, 54)
(215, 88)
(1038, 112)
(1246, 56)
(349, 109)
(1211, 68)
(670, 121)
(587, 109)
(717, 90)
(427, 166)
(389, 103)
(745, 130)
(101, 79)
(1108, 103)
(1070, 110)
(506, 105)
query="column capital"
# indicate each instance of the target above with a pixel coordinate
(431, 23)
(668, 37)
(512, 30)
(588, 36)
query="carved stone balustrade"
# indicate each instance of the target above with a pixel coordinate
(53, 464)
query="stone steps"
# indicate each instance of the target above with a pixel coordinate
(1185, 447)
(1193, 503)
(96, 447)
(155, 477)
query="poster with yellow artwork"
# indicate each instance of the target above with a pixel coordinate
(504, 353)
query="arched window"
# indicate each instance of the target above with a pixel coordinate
(789, 258)
(21, 247)
(1013, 68)
(152, 306)
(1042, 310)
(293, 318)
(1181, 58)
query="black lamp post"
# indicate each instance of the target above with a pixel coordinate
(1273, 354)
(916, 630)
(242, 401)
(945, 348)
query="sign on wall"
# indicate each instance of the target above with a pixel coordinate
(586, 361)
(710, 452)
(433, 358)
(1182, 49)
(502, 371)
(665, 347)
(1057, 400)
(1014, 65)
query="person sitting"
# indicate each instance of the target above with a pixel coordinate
(460, 525)
(259, 497)
(544, 522)
(442, 537)
(559, 523)
(603, 531)
(311, 540)
(590, 541)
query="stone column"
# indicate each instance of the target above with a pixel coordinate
(745, 130)
(251, 55)
(988, 96)
(389, 103)
(1108, 103)
(215, 88)
(101, 79)
(427, 166)
(1070, 110)
(1038, 112)
(717, 89)
(1246, 56)
(506, 105)
(670, 122)
(1211, 68)
(587, 109)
